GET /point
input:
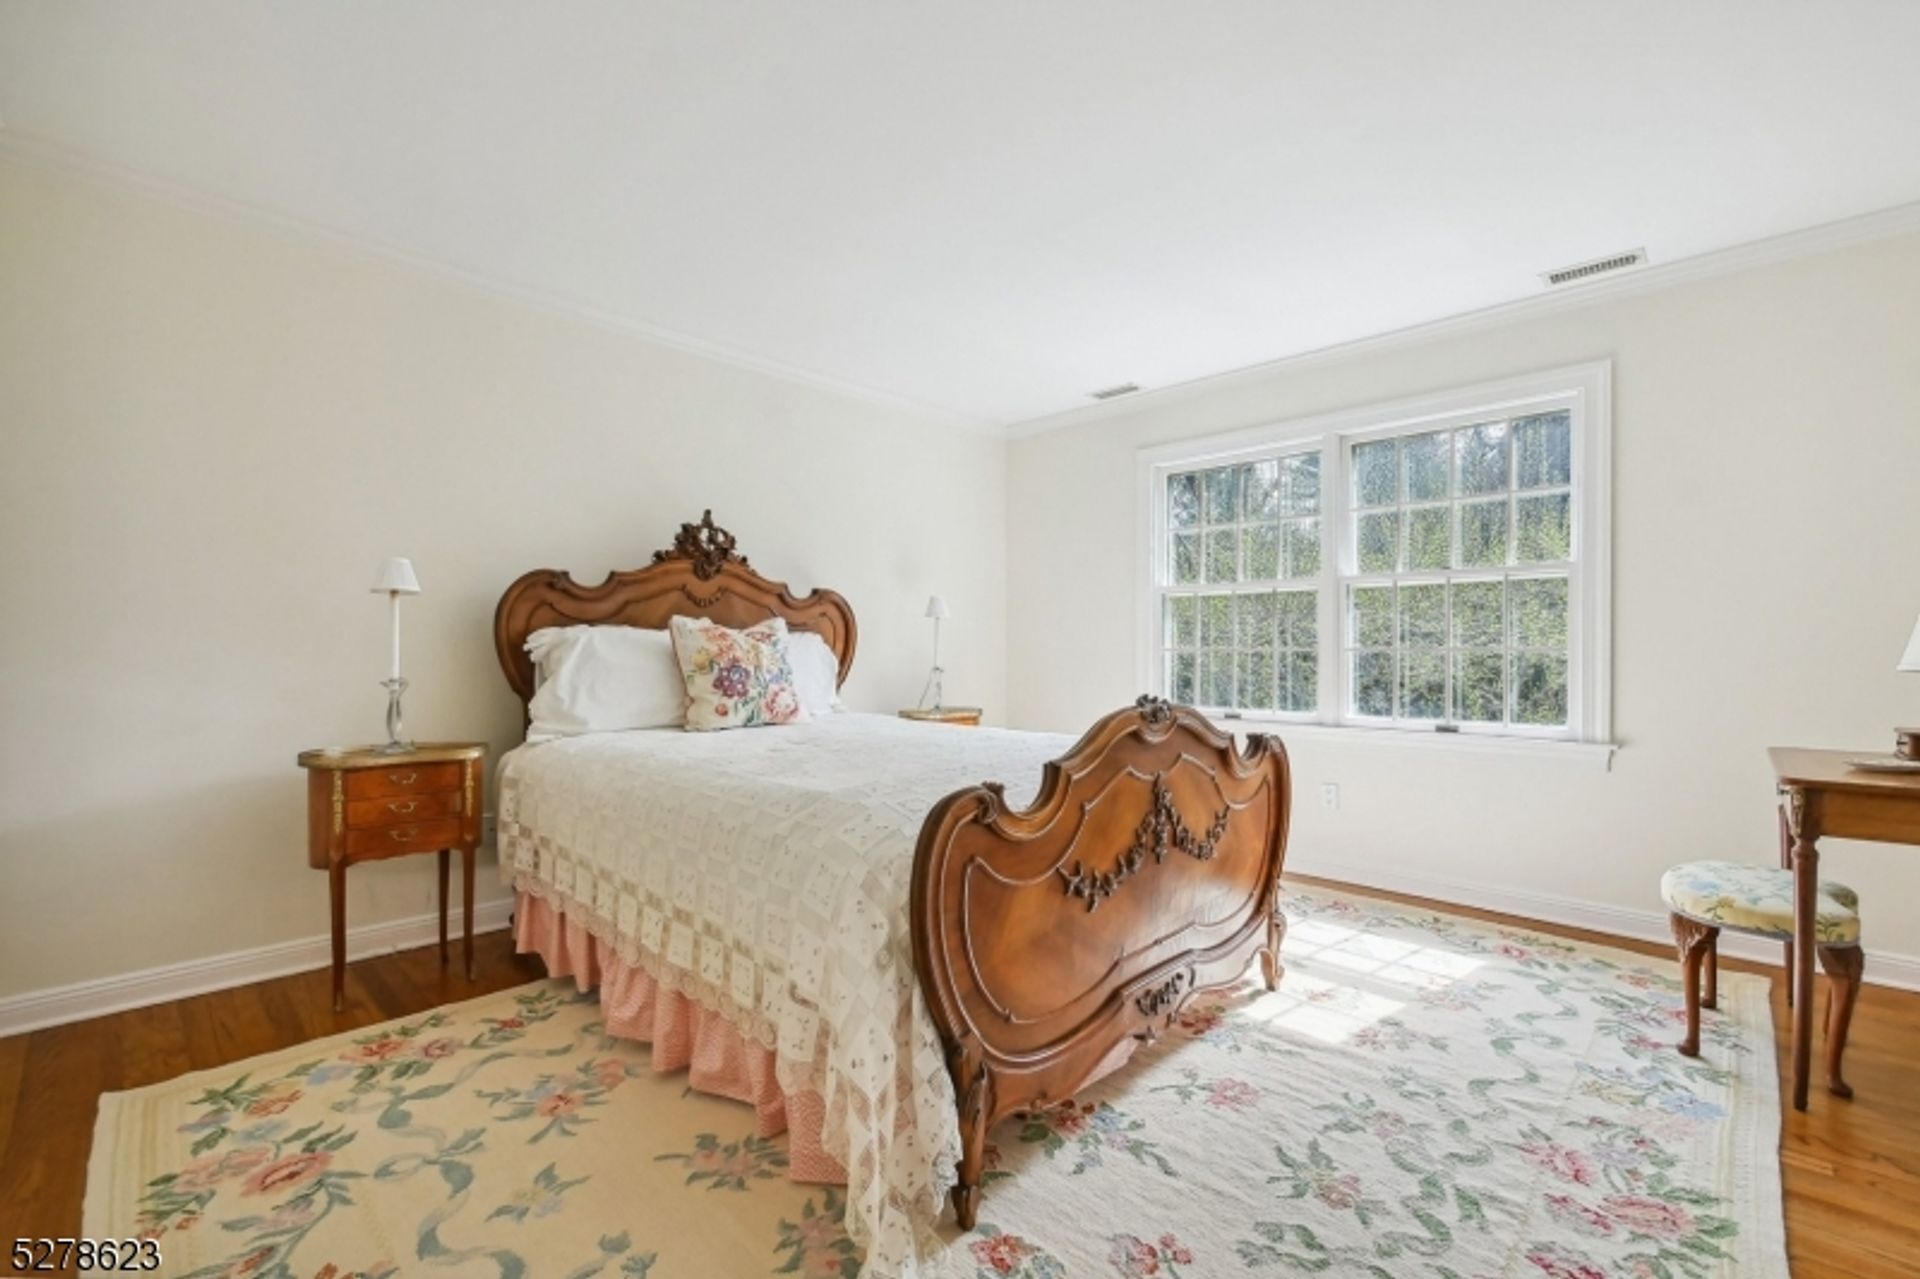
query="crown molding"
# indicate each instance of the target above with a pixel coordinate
(49, 153)
(1900, 220)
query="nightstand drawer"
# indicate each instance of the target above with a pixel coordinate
(413, 837)
(401, 779)
(402, 810)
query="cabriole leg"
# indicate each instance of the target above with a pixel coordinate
(976, 1092)
(1844, 967)
(1694, 941)
(1271, 969)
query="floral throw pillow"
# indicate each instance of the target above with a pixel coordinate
(736, 679)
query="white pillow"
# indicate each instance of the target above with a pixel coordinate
(600, 679)
(816, 672)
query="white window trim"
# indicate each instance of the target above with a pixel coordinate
(1584, 389)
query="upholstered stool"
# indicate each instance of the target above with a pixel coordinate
(1705, 897)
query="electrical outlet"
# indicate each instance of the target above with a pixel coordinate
(488, 831)
(1329, 794)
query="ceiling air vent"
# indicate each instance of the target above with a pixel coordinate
(1598, 266)
(1113, 392)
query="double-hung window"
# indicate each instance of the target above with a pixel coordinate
(1242, 605)
(1434, 565)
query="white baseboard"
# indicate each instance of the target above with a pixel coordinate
(1883, 968)
(60, 1004)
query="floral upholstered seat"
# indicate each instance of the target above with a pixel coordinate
(1758, 899)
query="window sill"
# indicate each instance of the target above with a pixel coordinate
(1593, 755)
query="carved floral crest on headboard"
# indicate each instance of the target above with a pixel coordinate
(702, 574)
(706, 545)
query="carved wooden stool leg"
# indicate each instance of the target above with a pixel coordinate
(1844, 966)
(1694, 941)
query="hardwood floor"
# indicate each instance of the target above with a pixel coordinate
(51, 1079)
(1851, 1170)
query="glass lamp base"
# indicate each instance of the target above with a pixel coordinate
(932, 690)
(398, 743)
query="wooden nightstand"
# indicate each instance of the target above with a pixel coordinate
(966, 715)
(365, 806)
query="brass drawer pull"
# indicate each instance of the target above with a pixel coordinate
(407, 779)
(402, 832)
(408, 807)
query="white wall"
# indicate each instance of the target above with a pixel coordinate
(210, 435)
(1766, 575)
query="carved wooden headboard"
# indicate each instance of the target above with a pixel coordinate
(701, 575)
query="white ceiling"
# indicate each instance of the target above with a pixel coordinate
(996, 207)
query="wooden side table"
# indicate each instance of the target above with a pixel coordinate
(363, 805)
(1822, 796)
(966, 715)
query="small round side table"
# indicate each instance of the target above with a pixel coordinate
(966, 715)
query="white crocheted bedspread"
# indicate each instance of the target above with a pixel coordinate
(764, 872)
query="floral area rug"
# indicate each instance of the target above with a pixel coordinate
(1425, 1096)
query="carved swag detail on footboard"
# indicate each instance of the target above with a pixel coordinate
(1051, 942)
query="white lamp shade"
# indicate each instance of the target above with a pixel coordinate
(937, 606)
(396, 577)
(1910, 660)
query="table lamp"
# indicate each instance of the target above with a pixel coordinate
(396, 579)
(1907, 740)
(936, 609)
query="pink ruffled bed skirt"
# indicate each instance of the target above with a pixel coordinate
(685, 1036)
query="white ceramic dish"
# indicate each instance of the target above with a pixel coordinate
(1883, 764)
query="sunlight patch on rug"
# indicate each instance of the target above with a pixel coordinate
(1425, 1096)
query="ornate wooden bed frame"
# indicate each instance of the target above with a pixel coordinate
(1052, 941)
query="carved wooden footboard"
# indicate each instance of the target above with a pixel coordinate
(1053, 941)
